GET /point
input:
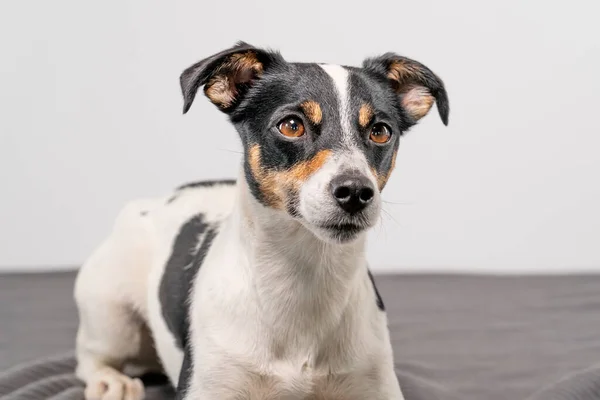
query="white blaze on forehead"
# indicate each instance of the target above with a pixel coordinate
(352, 158)
(340, 77)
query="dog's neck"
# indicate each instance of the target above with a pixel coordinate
(293, 272)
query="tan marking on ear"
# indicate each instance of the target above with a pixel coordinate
(240, 68)
(417, 101)
(312, 109)
(276, 185)
(247, 61)
(220, 91)
(383, 177)
(403, 72)
(365, 114)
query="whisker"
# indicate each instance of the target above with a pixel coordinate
(398, 203)
(382, 227)
(231, 151)
(389, 214)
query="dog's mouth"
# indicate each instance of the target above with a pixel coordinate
(343, 231)
(343, 227)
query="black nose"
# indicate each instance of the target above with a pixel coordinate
(352, 192)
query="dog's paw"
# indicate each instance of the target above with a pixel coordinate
(112, 385)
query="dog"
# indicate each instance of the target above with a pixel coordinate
(258, 288)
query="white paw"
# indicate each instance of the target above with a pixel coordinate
(111, 385)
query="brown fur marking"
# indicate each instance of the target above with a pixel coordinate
(416, 98)
(365, 114)
(275, 185)
(220, 91)
(265, 179)
(404, 72)
(240, 68)
(383, 177)
(312, 109)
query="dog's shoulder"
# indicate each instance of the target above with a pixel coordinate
(199, 209)
(205, 186)
(190, 247)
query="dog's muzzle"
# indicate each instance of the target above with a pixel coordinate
(353, 198)
(353, 193)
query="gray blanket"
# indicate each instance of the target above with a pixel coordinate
(455, 337)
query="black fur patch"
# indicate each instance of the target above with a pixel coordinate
(378, 298)
(189, 250)
(207, 183)
(197, 184)
(184, 375)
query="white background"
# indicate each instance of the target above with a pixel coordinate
(90, 116)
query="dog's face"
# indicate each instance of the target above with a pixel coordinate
(320, 141)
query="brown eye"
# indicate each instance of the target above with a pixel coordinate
(291, 127)
(380, 133)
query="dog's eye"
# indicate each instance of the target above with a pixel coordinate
(291, 127)
(380, 133)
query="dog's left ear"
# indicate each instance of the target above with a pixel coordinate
(417, 86)
(226, 76)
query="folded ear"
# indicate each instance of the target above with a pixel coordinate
(226, 76)
(417, 86)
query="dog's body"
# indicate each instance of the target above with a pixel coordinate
(250, 336)
(260, 289)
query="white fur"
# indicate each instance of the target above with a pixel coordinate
(340, 77)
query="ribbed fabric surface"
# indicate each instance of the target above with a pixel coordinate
(580, 385)
(454, 337)
(53, 378)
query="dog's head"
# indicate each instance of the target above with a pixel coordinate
(320, 141)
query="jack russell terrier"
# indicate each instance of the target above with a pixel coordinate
(260, 289)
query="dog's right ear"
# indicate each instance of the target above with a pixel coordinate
(226, 76)
(417, 86)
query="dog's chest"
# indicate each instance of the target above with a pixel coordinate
(292, 381)
(303, 372)
(335, 368)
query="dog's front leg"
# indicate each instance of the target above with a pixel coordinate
(192, 384)
(223, 379)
